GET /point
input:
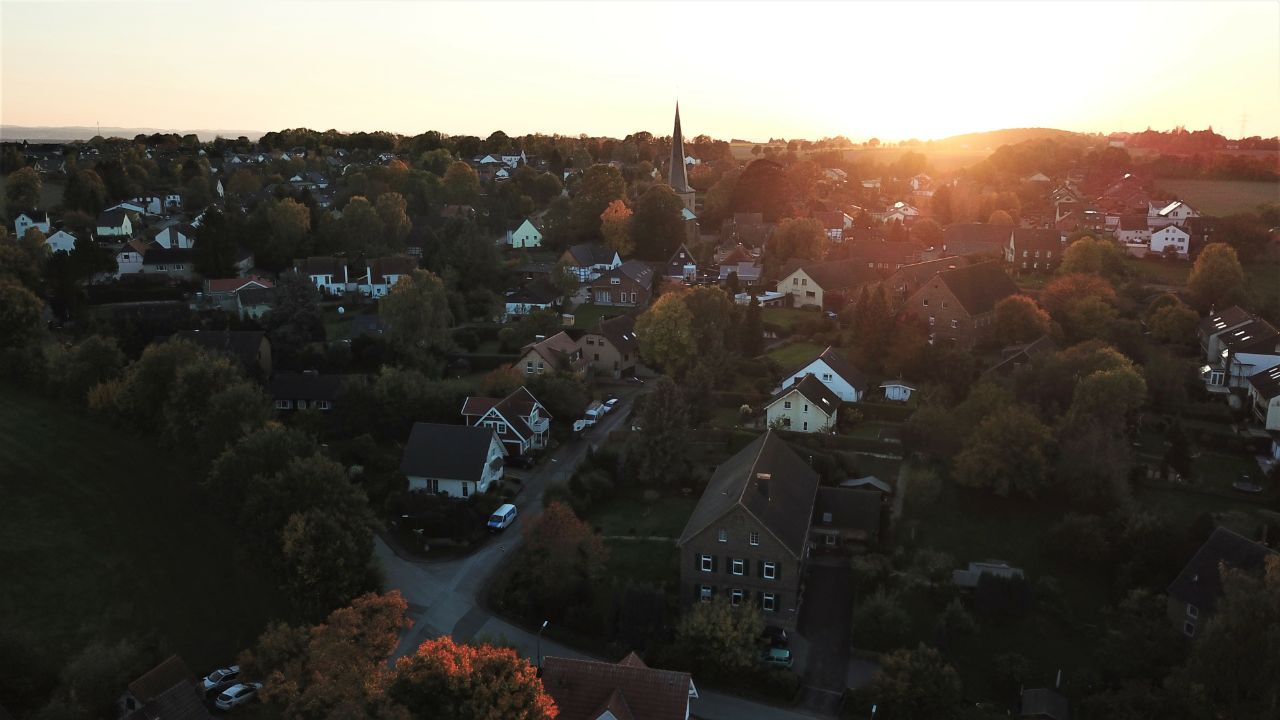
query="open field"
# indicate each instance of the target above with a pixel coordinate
(939, 159)
(588, 316)
(103, 536)
(1222, 197)
(1160, 271)
(629, 514)
(787, 317)
(50, 194)
(791, 355)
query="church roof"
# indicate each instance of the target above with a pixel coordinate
(679, 177)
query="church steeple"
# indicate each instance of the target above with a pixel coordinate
(678, 178)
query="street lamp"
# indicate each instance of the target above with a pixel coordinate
(544, 627)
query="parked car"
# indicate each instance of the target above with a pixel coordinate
(776, 636)
(610, 404)
(595, 411)
(220, 676)
(776, 657)
(1245, 483)
(580, 425)
(502, 518)
(237, 695)
(519, 461)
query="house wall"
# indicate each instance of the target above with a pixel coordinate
(1245, 365)
(23, 223)
(801, 289)
(526, 236)
(1182, 623)
(128, 263)
(897, 392)
(1265, 411)
(802, 416)
(1171, 237)
(462, 488)
(606, 359)
(61, 241)
(947, 320)
(124, 230)
(532, 363)
(626, 293)
(739, 525)
(1134, 237)
(833, 380)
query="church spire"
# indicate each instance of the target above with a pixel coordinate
(678, 178)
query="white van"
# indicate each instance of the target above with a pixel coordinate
(595, 411)
(502, 518)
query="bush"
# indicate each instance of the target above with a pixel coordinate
(1078, 539)
(1000, 598)
(880, 623)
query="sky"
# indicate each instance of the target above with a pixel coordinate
(750, 70)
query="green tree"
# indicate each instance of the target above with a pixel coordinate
(1094, 465)
(187, 406)
(561, 563)
(259, 454)
(89, 684)
(1000, 217)
(1006, 453)
(328, 554)
(751, 343)
(1020, 320)
(600, 185)
(22, 191)
(615, 226)
(802, 238)
(713, 315)
(149, 381)
(444, 679)
(656, 455)
(75, 370)
(1093, 256)
(243, 183)
(196, 194)
(215, 247)
(1217, 279)
(436, 161)
(927, 232)
(294, 323)
(658, 225)
(19, 314)
(362, 228)
(720, 639)
(1139, 642)
(461, 184)
(1107, 397)
(666, 335)
(290, 223)
(916, 684)
(85, 192)
(1174, 324)
(417, 314)
(392, 210)
(231, 413)
(23, 259)
(880, 623)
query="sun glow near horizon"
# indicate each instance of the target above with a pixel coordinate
(745, 70)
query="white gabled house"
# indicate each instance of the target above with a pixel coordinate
(381, 274)
(328, 274)
(61, 241)
(522, 423)
(835, 372)
(129, 258)
(457, 461)
(525, 236)
(1176, 212)
(178, 235)
(28, 219)
(897, 391)
(805, 406)
(1171, 239)
(114, 223)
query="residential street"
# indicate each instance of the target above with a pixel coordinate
(444, 597)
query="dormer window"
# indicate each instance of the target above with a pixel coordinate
(615, 281)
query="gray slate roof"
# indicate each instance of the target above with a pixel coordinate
(1200, 582)
(979, 287)
(850, 509)
(767, 480)
(839, 363)
(446, 452)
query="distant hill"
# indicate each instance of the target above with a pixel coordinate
(18, 133)
(992, 139)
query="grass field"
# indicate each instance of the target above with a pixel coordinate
(588, 316)
(629, 514)
(1222, 197)
(787, 317)
(792, 354)
(1159, 270)
(104, 536)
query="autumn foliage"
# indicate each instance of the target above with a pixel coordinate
(469, 682)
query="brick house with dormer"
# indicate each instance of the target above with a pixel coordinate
(959, 304)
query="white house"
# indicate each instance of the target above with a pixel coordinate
(61, 241)
(452, 460)
(835, 372)
(514, 161)
(897, 390)
(146, 205)
(178, 235)
(806, 406)
(129, 258)
(1134, 232)
(1264, 398)
(1175, 212)
(522, 423)
(525, 236)
(328, 274)
(381, 274)
(114, 223)
(899, 212)
(591, 260)
(28, 219)
(1171, 238)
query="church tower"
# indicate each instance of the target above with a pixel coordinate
(678, 178)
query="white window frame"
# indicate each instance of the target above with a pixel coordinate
(769, 602)
(754, 538)
(738, 566)
(735, 597)
(704, 593)
(769, 571)
(708, 563)
(722, 536)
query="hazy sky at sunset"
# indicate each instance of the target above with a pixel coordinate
(741, 69)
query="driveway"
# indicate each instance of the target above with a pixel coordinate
(824, 622)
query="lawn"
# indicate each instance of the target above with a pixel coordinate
(1222, 197)
(644, 561)
(629, 514)
(588, 316)
(338, 326)
(793, 354)
(102, 535)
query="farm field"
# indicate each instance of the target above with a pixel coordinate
(104, 536)
(1222, 197)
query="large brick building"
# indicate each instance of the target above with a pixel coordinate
(959, 304)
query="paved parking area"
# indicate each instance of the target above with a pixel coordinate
(824, 622)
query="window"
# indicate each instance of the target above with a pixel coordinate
(723, 536)
(466, 489)
(302, 404)
(955, 324)
(283, 405)
(786, 404)
(795, 281)
(769, 571)
(932, 320)
(754, 538)
(596, 357)
(806, 426)
(831, 539)
(735, 597)
(926, 302)
(540, 366)
(804, 281)
(1024, 253)
(739, 566)
(324, 404)
(944, 304)
(1193, 612)
(528, 367)
(704, 593)
(708, 563)
(806, 407)
(1189, 629)
(615, 281)
(769, 602)
(826, 377)
(826, 517)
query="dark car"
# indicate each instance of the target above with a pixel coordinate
(776, 636)
(1245, 483)
(520, 461)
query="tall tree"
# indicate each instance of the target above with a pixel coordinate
(461, 184)
(19, 314)
(290, 223)
(392, 210)
(362, 227)
(615, 225)
(600, 185)
(658, 225)
(656, 455)
(1006, 453)
(917, 684)
(294, 322)
(85, 192)
(802, 238)
(751, 343)
(1217, 279)
(74, 370)
(417, 314)
(1020, 320)
(1093, 256)
(443, 679)
(666, 335)
(22, 191)
(215, 248)
(720, 639)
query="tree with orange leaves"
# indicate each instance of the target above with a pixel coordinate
(444, 679)
(615, 225)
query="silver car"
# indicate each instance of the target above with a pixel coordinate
(237, 695)
(220, 676)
